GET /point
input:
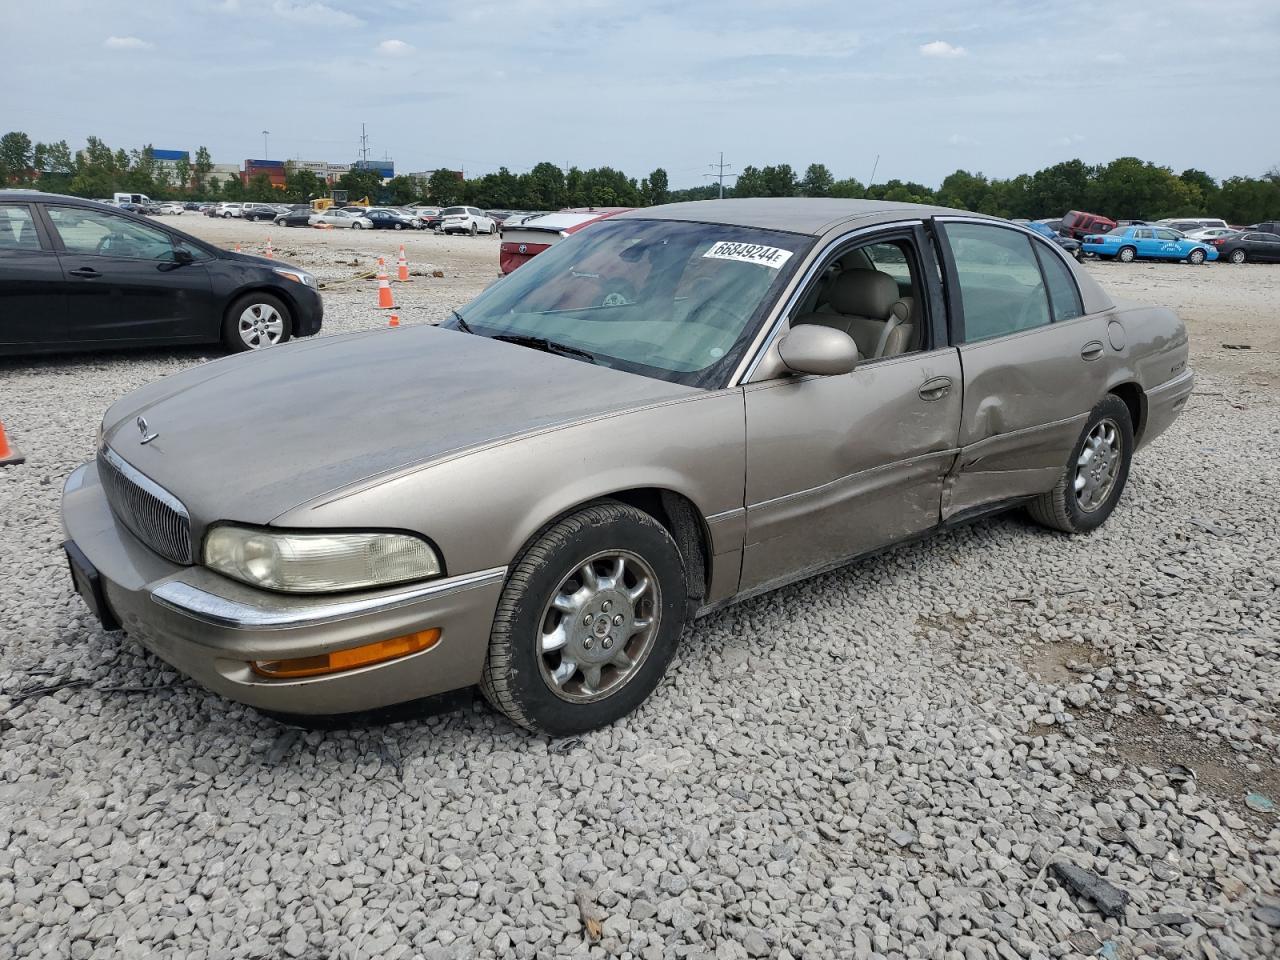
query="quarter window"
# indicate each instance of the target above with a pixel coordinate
(1064, 295)
(1001, 287)
(17, 231)
(93, 232)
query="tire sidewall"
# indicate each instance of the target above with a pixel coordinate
(541, 707)
(1132, 255)
(1196, 257)
(1237, 256)
(231, 322)
(1115, 409)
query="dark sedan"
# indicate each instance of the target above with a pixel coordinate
(387, 220)
(1248, 246)
(77, 275)
(297, 217)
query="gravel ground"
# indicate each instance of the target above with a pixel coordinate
(888, 761)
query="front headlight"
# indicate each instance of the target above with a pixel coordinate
(318, 562)
(297, 276)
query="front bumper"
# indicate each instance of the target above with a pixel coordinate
(210, 627)
(309, 312)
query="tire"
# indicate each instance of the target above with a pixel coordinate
(1196, 257)
(520, 679)
(474, 230)
(1062, 508)
(1126, 254)
(1238, 256)
(399, 226)
(493, 228)
(357, 226)
(272, 323)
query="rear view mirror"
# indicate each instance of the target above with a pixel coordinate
(814, 349)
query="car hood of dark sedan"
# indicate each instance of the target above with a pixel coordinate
(248, 437)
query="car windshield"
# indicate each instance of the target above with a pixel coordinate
(671, 300)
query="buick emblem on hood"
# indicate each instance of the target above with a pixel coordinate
(147, 435)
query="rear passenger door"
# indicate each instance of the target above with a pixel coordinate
(33, 307)
(1034, 363)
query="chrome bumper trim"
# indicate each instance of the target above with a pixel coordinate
(219, 611)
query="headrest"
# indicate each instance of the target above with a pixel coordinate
(863, 293)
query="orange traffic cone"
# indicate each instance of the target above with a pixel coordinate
(402, 267)
(384, 288)
(7, 453)
(269, 257)
(394, 322)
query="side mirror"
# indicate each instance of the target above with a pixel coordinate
(182, 256)
(815, 349)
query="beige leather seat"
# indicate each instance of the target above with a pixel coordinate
(865, 304)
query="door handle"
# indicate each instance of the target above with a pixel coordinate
(1091, 350)
(935, 388)
(85, 273)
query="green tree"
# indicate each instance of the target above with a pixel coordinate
(1129, 188)
(17, 158)
(444, 187)
(233, 188)
(202, 168)
(260, 189)
(302, 185)
(968, 191)
(750, 183)
(817, 181)
(848, 189)
(1055, 190)
(542, 188)
(656, 188)
(360, 183)
(182, 175)
(54, 165)
(404, 190)
(779, 181)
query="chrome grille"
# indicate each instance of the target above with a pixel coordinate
(153, 514)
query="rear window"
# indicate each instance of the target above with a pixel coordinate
(453, 211)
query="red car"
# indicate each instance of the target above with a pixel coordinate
(524, 241)
(1079, 224)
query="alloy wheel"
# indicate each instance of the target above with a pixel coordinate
(261, 326)
(599, 626)
(1098, 465)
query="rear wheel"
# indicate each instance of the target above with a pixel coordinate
(1126, 254)
(588, 621)
(1095, 475)
(493, 228)
(256, 321)
(1237, 256)
(1196, 257)
(474, 230)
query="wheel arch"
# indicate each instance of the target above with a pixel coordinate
(1135, 398)
(276, 292)
(678, 514)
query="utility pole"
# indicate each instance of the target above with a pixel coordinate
(265, 154)
(719, 175)
(364, 145)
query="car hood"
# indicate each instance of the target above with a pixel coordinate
(249, 437)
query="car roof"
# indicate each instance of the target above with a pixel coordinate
(808, 215)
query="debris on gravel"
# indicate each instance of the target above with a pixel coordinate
(892, 760)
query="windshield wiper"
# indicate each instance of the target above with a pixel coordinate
(545, 345)
(462, 324)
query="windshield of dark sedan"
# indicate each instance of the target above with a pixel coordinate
(668, 299)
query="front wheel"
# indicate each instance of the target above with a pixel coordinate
(1095, 475)
(588, 621)
(1196, 257)
(256, 321)
(493, 228)
(1127, 255)
(357, 226)
(1237, 256)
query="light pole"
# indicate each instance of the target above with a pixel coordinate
(265, 155)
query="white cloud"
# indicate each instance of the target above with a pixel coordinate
(394, 48)
(316, 14)
(940, 48)
(127, 43)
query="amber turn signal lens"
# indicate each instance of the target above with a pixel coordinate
(349, 658)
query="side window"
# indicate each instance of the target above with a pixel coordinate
(96, 233)
(1001, 288)
(17, 230)
(1166, 235)
(1142, 234)
(1064, 295)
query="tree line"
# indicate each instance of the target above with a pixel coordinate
(1125, 188)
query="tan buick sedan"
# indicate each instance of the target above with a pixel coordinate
(674, 409)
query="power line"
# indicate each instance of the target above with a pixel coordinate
(720, 174)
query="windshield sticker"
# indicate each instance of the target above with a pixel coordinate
(772, 257)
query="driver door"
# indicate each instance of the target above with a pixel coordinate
(123, 282)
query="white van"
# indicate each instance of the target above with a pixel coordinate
(119, 198)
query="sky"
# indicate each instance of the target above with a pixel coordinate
(926, 86)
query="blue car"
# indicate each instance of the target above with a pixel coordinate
(1066, 243)
(1130, 243)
